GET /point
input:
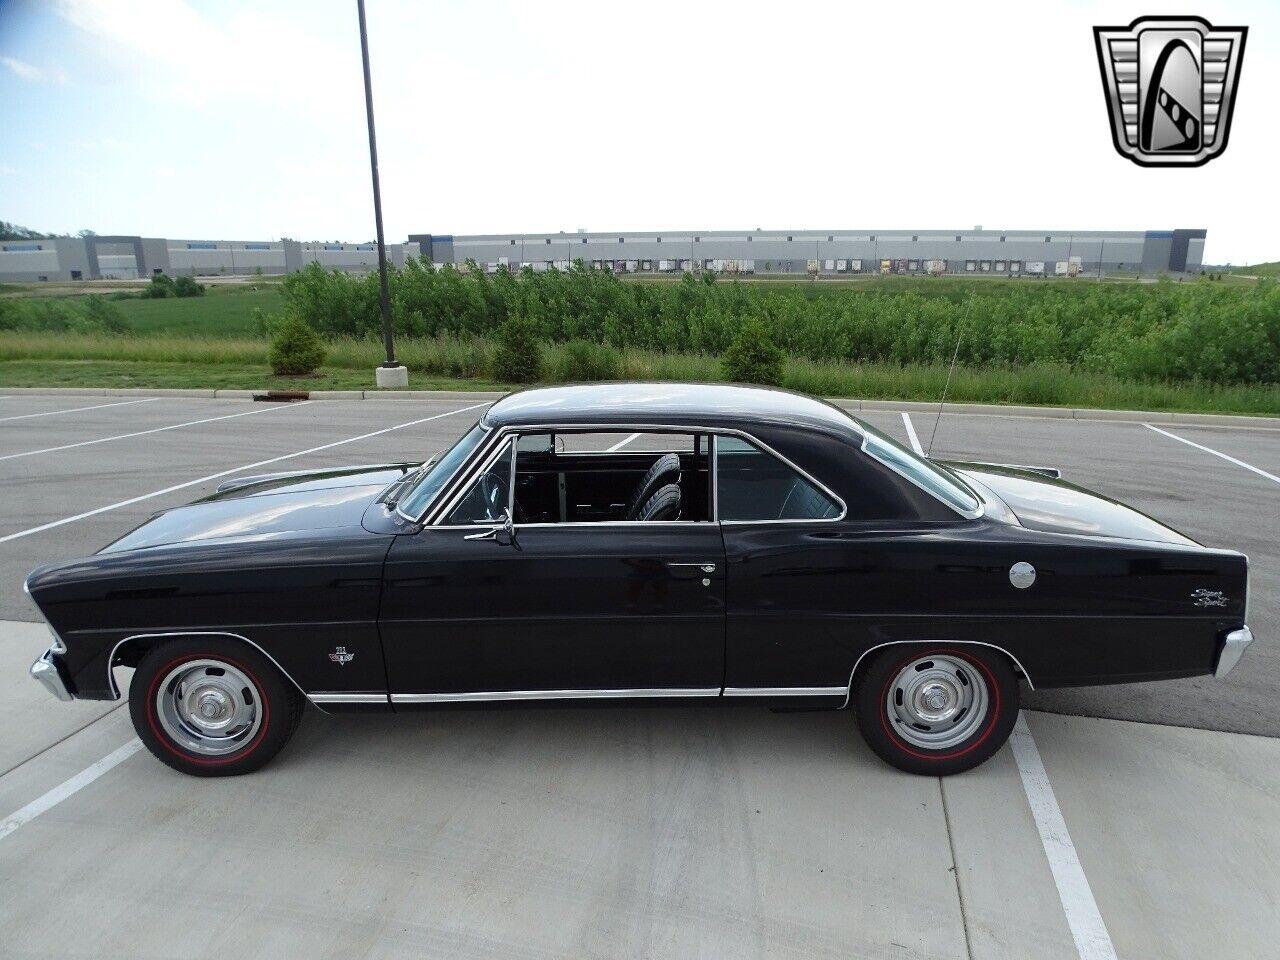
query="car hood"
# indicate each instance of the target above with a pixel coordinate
(1056, 506)
(269, 507)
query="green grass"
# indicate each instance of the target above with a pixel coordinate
(221, 312)
(38, 359)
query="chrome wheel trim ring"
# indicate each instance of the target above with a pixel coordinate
(209, 707)
(937, 701)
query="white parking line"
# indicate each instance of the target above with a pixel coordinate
(97, 406)
(67, 788)
(224, 473)
(1216, 453)
(1083, 917)
(911, 434)
(142, 433)
(622, 443)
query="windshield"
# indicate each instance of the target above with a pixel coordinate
(923, 473)
(418, 497)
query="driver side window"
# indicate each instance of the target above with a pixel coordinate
(489, 495)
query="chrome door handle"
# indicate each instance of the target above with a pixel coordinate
(703, 567)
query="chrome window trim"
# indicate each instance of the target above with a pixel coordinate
(325, 696)
(111, 659)
(971, 514)
(457, 487)
(487, 696)
(848, 689)
(479, 451)
(784, 691)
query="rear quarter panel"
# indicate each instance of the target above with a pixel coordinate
(806, 602)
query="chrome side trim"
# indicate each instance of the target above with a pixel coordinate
(111, 677)
(784, 691)
(848, 690)
(46, 671)
(326, 697)
(483, 696)
(1234, 645)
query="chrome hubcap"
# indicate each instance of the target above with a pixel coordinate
(937, 701)
(208, 707)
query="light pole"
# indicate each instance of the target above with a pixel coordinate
(390, 373)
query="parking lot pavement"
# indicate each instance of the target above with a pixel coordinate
(640, 833)
(32, 720)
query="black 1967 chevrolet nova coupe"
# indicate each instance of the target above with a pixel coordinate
(626, 541)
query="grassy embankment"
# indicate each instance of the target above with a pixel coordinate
(214, 341)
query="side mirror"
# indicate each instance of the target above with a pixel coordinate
(504, 523)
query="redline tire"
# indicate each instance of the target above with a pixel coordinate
(272, 708)
(975, 692)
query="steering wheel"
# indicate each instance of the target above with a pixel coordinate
(493, 491)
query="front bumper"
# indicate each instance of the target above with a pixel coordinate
(1233, 647)
(46, 671)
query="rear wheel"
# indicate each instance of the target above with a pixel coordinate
(212, 707)
(936, 709)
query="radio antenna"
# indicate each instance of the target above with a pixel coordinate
(968, 308)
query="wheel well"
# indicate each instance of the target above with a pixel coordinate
(865, 658)
(130, 651)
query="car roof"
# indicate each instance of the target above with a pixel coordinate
(673, 404)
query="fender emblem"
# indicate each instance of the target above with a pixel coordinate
(1208, 598)
(341, 657)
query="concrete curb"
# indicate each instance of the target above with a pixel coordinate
(909, 406)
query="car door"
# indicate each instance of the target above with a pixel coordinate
(788, 575)
(475, 611)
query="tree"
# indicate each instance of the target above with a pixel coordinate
(518, 358)
(295, 348)
(187, 287)
(752, 357)
(159, 287)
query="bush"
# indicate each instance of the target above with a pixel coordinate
(518, 358)
(159, 288)
(581, 361)
(1146, 331)
(295, 348)
(187, 287)
(753, 357)
(103, 315)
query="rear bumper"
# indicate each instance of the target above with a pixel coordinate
(46, 671)
(1233, 647)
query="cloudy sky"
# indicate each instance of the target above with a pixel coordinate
(243, 119)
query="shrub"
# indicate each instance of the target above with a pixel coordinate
(753, 357)
(581, 361)
(159, 288)
(104, 315)
(518, 358)
(187, 287)
(295, 348)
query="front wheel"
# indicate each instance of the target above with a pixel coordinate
(212, 707)
(936, 709)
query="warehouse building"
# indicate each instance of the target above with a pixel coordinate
(977, 251)
(799, 252)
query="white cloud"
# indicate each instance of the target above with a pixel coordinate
(31, 73)
(247, 56)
